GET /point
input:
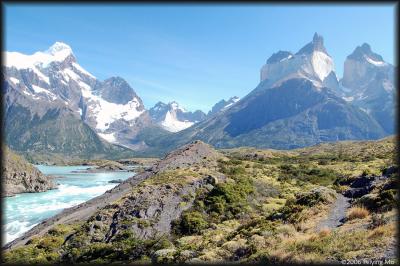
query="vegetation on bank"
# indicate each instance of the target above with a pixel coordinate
(258, 206)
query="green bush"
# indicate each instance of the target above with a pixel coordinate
(305, 173)
(292, 211)
(229, 199)
(191, 222)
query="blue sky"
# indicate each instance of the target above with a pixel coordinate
(194, 54)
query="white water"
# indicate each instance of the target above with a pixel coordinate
(24, 211)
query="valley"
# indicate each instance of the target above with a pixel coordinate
(301, 169)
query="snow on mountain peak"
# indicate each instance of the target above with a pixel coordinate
(59, 47)
(58, 52)
(364, 53)
(322, 64)
(312, 62)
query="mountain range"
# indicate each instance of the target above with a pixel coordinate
(54, 105)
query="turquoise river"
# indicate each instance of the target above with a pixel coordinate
(23, 211)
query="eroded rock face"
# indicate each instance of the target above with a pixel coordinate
(19, 176)
(150, 209)
(193, 153)
(148, 212)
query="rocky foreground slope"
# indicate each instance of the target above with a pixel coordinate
(247, 205)
(19, 176)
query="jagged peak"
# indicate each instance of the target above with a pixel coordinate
(364, 52)
(317, 44)
(117, 80)
(160, 103)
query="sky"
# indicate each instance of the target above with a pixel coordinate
(194, 54)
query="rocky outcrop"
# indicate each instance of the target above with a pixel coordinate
(19, 176)
(158, 194)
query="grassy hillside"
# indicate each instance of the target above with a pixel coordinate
(245, 205)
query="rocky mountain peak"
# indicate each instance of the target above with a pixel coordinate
(117, 90)
(312, 62)
(223, 105)
(364, 52)
(317, 44)
(175, 106)
(59, 53)
(174, 117)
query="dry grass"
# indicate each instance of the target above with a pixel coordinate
(381, 231)
(324, 232)
(357, 212)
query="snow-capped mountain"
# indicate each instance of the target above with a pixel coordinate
(110, 107)
(223, 105)
(368, 82)
(296, 104)
(173, 117)
(54, 104)
(311, 62)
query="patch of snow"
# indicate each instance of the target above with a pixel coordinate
(27, 93)
(58, 52)
(322, 64)
(348, 99)
(368, 111)
(108, 137)
(41, 75)
(106, 112)
(84, 85)
(80, 69)
(171, 124)
(235, 99)
(232, 101)
(361, 96)
(14, 80)
(71, 74)
(376, 63)
(38, 89)
(286, 58)
(388, 86)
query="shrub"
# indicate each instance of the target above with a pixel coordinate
(304, 173)
(357, 213)
(292, 211)
(191, 222)
(229, 199)
(378, 220)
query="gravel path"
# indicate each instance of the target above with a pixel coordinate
(336, 215)
(391, 251)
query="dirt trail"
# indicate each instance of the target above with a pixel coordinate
(336, 215)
